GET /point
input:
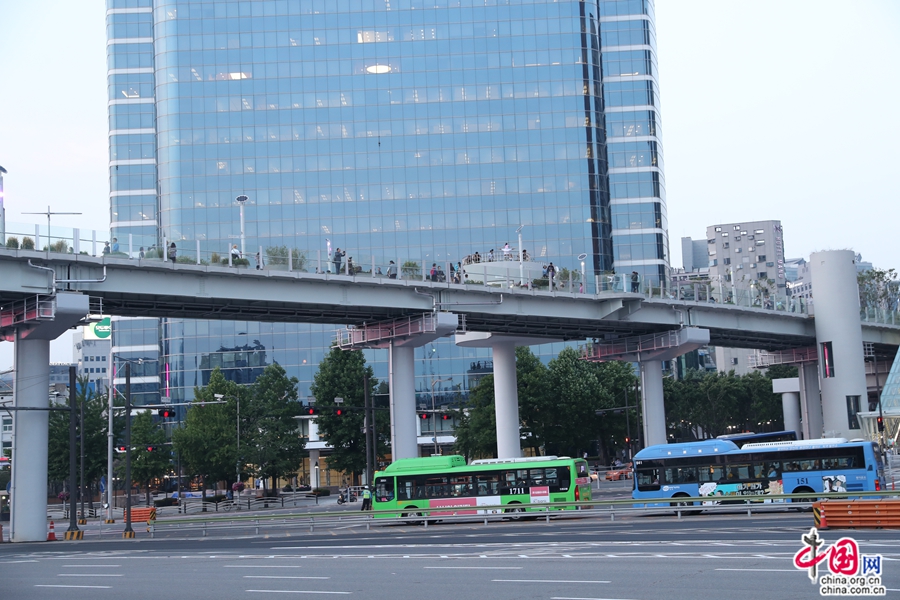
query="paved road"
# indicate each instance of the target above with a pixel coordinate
(640, 558)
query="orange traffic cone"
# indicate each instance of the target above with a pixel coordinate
(51, 537)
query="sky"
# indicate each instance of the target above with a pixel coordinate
(771, 109)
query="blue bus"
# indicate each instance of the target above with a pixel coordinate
(722, 471)
(748, 437)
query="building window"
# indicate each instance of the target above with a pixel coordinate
(827, 360)
(718, 229)
(770, 264)
(724, 234)
(713, 262)
(761, 257)
(7, 425)
(726, 261)
(737, 238)
(737, 227)
(738, 250)
(743, 233)
(725, 245)
(852, 412)
(762, 275)
(760, 242)
(759, 231)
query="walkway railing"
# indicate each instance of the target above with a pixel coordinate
(504, 271)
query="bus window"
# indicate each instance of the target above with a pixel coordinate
(648, 479)
(406, 489)
(461, 485)
(537, 477)
(384, 489)
(679, 475)
(582, 468)
(552, 478)
(487, 484)
(738, 472)
(436, 487)
(712, 473)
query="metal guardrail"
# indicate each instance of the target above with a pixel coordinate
(189, 505)
(556, 510)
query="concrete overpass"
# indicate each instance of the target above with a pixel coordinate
(153, 288)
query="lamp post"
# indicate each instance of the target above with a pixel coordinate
(434, 412)
(2, 210)
(521, 258)
(317, 475)
(111, 432)
(241, 200)
(128, 532)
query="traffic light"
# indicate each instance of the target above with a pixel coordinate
(339, 412)
(423, 416)
(445, 417)
(166, 413)
(880, 423)
(120, 448)
(628, 440)
(151, 448)
(312, 410)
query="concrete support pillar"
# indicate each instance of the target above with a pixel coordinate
(403, 402)
(839, 340)
(652, 403)
(30, 432)
(790, 407)
(789, 388)
(810, 402)
(506, 401)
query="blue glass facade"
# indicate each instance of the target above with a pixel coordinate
(428, 129)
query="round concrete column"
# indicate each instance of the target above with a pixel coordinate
(653, 404)
(790, 406)
(30, 432)
(506, 401)
(839, 338)
(403, 403)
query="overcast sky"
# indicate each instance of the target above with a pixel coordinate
(771, 109)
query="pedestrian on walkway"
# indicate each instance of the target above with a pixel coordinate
(338, 256)
(392, 271)
(173, 252)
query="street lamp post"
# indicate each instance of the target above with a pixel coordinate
(434, 412)
(521, 258)
(317, 475)
(241, 200)
(128, 532)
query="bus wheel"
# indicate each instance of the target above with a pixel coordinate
(805, 504)
(682, 504)
(413, 517)
(514, 512)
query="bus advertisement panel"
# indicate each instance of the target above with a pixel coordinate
(718, 469)
(456, 488)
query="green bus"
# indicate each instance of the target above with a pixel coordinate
(448, 483)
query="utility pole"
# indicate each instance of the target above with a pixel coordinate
(73, 532)
(128, 532)
(369, 425)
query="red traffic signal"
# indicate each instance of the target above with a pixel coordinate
(166, 413)
(880, 423)
(312, 410)
(339, 412)
(151, 448)
(423, 416)
(120, 448)
(445, 417)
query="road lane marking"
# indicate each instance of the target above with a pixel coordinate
(767, 570)
(468, 568)
(90, 566)
(89, 575)
(546, 581)
(568, 598)
(294, 592)
(92, 587)
(281, 577)
(261, 567)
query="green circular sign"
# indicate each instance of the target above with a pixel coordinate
(103, 329)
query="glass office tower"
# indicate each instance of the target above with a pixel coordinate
(420, 129)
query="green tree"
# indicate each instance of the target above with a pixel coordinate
(476, 422)
(274, 446)
(207, 442)
(877, 288)
(617, 382)
(764, 406)
(782, 372)
(568, 421)
(532, 387)
(150, 459)
(340, 375)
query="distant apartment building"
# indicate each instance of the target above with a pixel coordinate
(741, 262)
